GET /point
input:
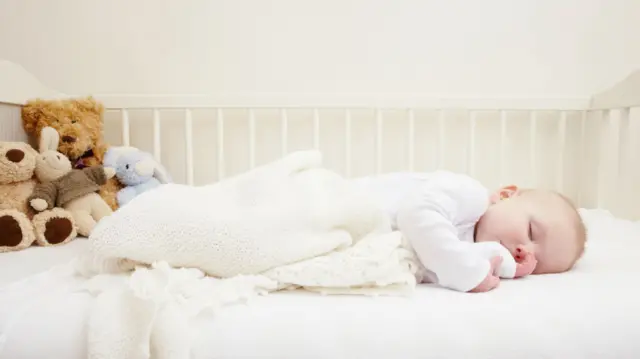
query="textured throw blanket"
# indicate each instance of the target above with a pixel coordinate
(178, 250)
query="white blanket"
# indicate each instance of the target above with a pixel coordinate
(287, 224)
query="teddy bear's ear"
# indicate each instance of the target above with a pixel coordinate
(49, 139)
(89, 104)
(31, 114)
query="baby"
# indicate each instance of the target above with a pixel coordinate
(468, 238)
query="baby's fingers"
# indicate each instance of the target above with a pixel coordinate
(526, 267)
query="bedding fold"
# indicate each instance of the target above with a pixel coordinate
(177, 251)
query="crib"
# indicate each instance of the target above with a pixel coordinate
(585, 148)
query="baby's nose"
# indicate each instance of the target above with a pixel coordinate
(522, 251)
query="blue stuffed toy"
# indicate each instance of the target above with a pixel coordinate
(135, 169)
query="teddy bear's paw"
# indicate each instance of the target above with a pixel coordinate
(58, 230)
(54, 227)
(16, 231)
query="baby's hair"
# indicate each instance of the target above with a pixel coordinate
(579, 226)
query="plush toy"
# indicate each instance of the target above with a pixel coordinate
(20, 226)
(69, 188)
(80, 125)
(137, 170)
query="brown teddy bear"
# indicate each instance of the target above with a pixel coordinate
(72, 189)
(19, 225)
(79, 122)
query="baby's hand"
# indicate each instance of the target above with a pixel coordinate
(526, 262)
(491, 281)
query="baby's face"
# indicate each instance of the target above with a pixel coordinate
(537, 221)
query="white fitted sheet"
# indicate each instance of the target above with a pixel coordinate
(591, 312)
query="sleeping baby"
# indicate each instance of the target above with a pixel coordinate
(467, 238)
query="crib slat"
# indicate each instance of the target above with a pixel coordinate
(441, 139)
(379, 141)
(562, 134)
(472, 144)
(156, 135)
(583, 142)
(188, 137)
(615, 150)
(503, 145)
(347, 144)
(624, 185)
(633, 174)
(533, 127)
(316, 129)
(220, 131)
(602, 157)
(284, 129)
(612, 158)
(252, 139)
(623, 138)
(412, 130)
(125, 128)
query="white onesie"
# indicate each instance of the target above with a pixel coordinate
(437, 213)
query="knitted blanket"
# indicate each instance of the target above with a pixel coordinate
(176, 251)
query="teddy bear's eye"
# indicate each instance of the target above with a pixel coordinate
(126, 166)
(58, 156)
(74, 121)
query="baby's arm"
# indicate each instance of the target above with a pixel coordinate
(428, 222)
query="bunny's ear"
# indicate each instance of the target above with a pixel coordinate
(161, 173)
(49, 139)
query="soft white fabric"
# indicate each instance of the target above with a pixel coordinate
(277, 214)
(589, 313)
(21, 264)
(290, 223)
(437, 213)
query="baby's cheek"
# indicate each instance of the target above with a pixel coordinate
(510, 231)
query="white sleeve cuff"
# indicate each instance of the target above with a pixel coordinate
(467, 281)
(491, 249)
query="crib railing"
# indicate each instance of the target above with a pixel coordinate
(589, 155)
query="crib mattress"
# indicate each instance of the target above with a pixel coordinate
(592, 312)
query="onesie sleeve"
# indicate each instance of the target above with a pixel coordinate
(429, 220)
(488, 250)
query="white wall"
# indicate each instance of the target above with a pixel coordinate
(541, 48)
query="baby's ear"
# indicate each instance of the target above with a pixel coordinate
(503, 193)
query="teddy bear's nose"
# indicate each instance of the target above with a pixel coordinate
(15, 155)
(68, 139)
